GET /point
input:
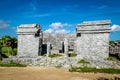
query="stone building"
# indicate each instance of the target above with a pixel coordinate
(91, 42)
(93, 39)
(114, 49)
(29, 40)
(57, 43)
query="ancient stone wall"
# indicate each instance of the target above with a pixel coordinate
(93, 39)
(57, 41)
(114, 49)
(29, 40)
(65, 62)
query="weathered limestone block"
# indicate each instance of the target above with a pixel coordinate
(93, 39)
(48, 49)
(66, 46)
(29, 40)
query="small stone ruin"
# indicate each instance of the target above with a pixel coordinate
(93, 39)
(90, 42)
(29, 40)
(114, 50)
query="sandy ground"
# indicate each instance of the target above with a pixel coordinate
(41, 73)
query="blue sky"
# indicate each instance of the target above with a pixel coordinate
(58, 15)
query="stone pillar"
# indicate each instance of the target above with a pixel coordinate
(66, 46)
(29, 40)
(93, 39)
(48, 49)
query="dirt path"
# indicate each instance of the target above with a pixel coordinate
(41, 73)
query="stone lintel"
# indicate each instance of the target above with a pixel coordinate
(94, 31)
(28, 29)
(88, 32)
(102, 26)
(29, 26)
(94, 23)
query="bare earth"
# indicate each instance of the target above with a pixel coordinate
(41, 73)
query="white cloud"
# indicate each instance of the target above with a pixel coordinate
(115, 28)
(49, 30)
(62, 31)
(3, 24)
(58, 27)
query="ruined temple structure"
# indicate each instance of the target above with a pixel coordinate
(114, 49)
(58, 43)
(90, 42)
(93, 39)
(29, 40)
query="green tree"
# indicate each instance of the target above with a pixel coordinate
(8, 46)
(111, 42)
(0, 51)
(14, 43)
(6, 40)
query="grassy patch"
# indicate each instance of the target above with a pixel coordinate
(73, 55)
(112, 58)
(55, 55)
(90, 69)
(83, 62)
(12, 64)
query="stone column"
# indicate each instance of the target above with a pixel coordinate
(66, 46)
(29, 40)
(48, 49)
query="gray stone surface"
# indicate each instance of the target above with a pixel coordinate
(65, 62)
(93, 43)
(57, 40)
(29, 40)
(66, 45)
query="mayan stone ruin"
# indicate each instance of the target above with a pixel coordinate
(29, 40)
(59, 43)
(90, 42)
(93, 39)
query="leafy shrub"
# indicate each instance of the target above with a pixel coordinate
(14, 51)
(92, 69)
(0, 56)
(111, 42)
(83, 62)
(7, 51)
